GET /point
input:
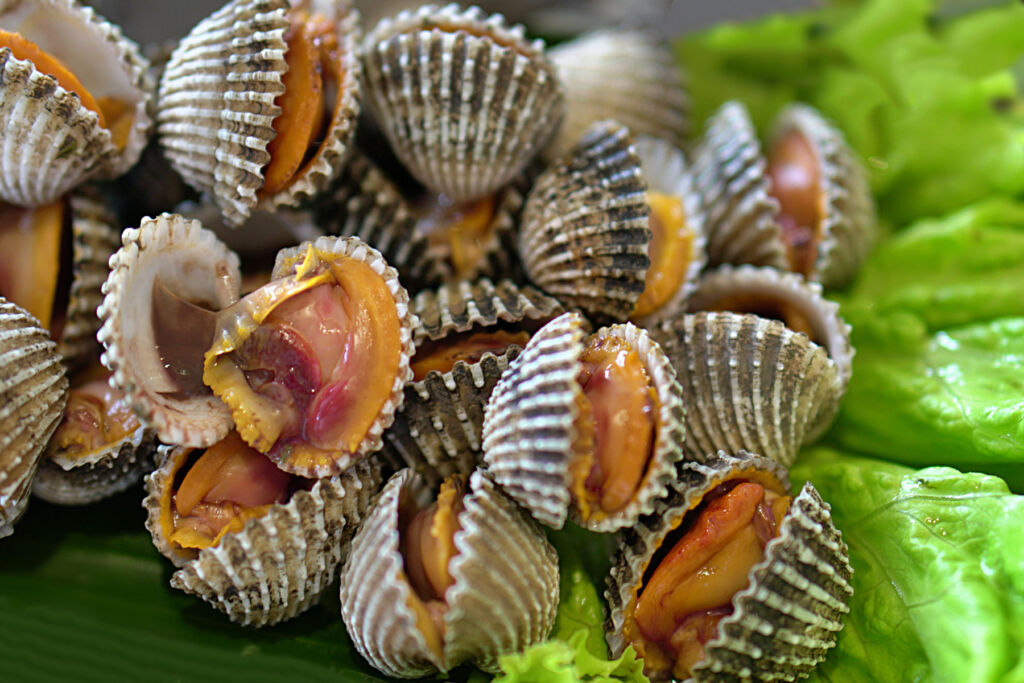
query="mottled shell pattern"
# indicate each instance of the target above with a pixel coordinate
(620, 74)
(530, 424)
(503, 599)
(789, 616)
(750, 383)
(193, 264)
(279, 564)
(464, 99)
(52, 142)
(216, 104)
(438, 430)
(584, 233)
(33, 390)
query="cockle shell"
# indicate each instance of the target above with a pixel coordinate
(33, 389)
(620, 74)
(51, 141)
(750, 383)
(465, 100)
(789, 616)
(216, 104)
(438, 430)
(192, 263)
(279, 564)
(503, 599)
(530, 424)
(584, 232)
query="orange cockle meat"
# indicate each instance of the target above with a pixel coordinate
(442, 356)
(796, 182)
(30, 241)
(95, 416)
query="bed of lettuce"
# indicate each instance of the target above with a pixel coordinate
(921, 467)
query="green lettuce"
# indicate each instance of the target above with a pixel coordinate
(932, 104)
(938, 571)
(576, 651)
(938, 324)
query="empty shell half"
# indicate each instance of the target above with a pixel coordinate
(588, 427)
(430, 585)
(258, 544)
(730, 578)
(464, 99)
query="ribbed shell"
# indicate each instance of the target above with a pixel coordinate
(666, 171)
(195, 265)
(504, 596)
(787, 618)
(529, 424)
(729, 170)
(584, 232)
(849, 227)
(750, 383)
(94, 240)
(51, 141)
(627, 75)
(279, 564)
(464, 99)
(438, 430)
(111, 470)
(33, 391)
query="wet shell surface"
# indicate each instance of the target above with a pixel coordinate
(33, 390)
(666, 172)
(438, 430)
(626, 75)
(464, 99)
(584, 233)
(848, 231)
(279, 564)
(191, 263)
(530, 426)
(52, 142)
(729, 170)
(785, 621)
(216, 105)
(503, 599)
(750, 383)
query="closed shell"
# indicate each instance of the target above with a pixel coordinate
(279, 564)
(584, 233)
(51, 141)
(438, 430)
(750, 383)
(465, 100)
(530, 425)
(788, 617)
(33, 390)
(621, 74)
(503, 599)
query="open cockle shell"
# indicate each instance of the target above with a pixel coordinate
(788, 617)
(33, 389)
(52, 142)
(217, 103)
(584, 233)
(729, 170)
(438, 430)
(750, 383)
(280, 563)
(192, 264)
(530, 425)
(465, 100)
(297, 270)
(503, 599)
(621, 74)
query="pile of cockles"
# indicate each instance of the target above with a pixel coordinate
(524, 295)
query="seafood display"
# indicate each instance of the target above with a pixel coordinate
(526, 306)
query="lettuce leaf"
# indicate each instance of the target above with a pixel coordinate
(576, 651)
(938, 324)
(938, 571)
